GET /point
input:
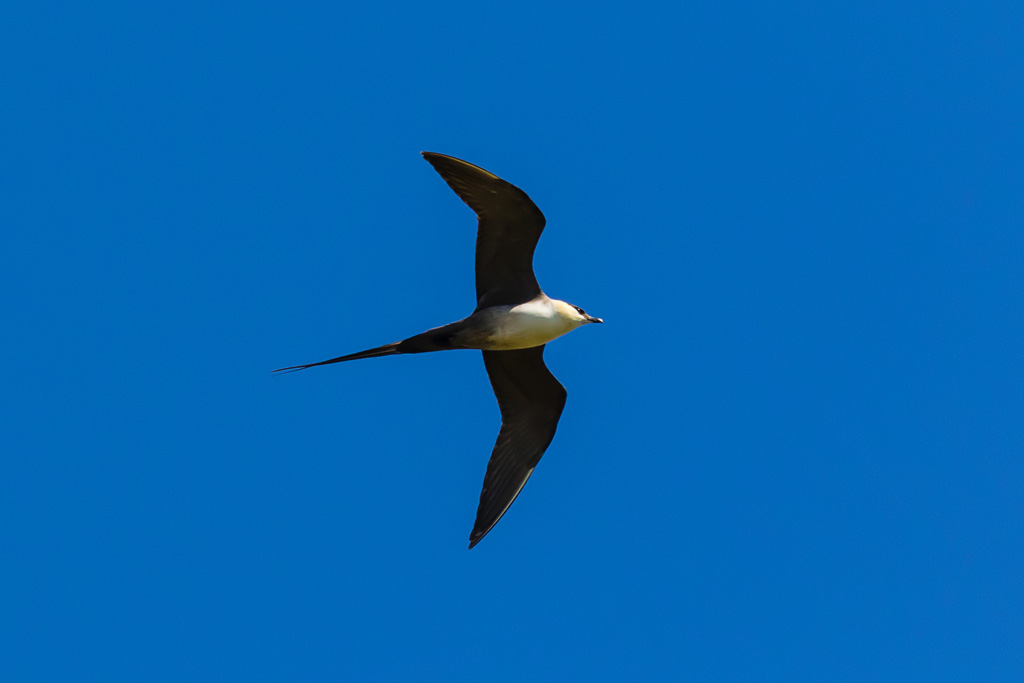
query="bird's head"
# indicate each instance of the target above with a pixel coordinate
(575, 313)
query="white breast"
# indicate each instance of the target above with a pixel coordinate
(524, 326)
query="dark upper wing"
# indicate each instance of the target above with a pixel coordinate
(531, 401)
(509, 227)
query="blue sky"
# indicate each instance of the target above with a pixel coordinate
(793, 453)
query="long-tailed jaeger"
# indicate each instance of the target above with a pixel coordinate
(512, 322)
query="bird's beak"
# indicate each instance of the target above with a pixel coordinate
(592, 319)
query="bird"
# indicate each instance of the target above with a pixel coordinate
(511, 324)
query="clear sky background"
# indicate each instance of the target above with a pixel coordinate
(792, 453)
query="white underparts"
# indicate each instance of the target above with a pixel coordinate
(503, 328)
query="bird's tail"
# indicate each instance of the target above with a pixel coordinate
(386, 350)
(437, 339)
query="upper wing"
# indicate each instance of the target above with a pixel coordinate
(531, 401)
(509, 227)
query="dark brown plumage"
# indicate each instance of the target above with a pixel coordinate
(509, 225)
(531, 401)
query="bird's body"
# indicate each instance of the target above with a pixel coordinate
(506, 328)
(513, 321)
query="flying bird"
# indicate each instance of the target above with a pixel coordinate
(512, 322)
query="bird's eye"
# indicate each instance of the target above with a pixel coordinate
(579, 310)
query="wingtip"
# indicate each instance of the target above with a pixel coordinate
(478, 534)
(435, 158)
(452, 167)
